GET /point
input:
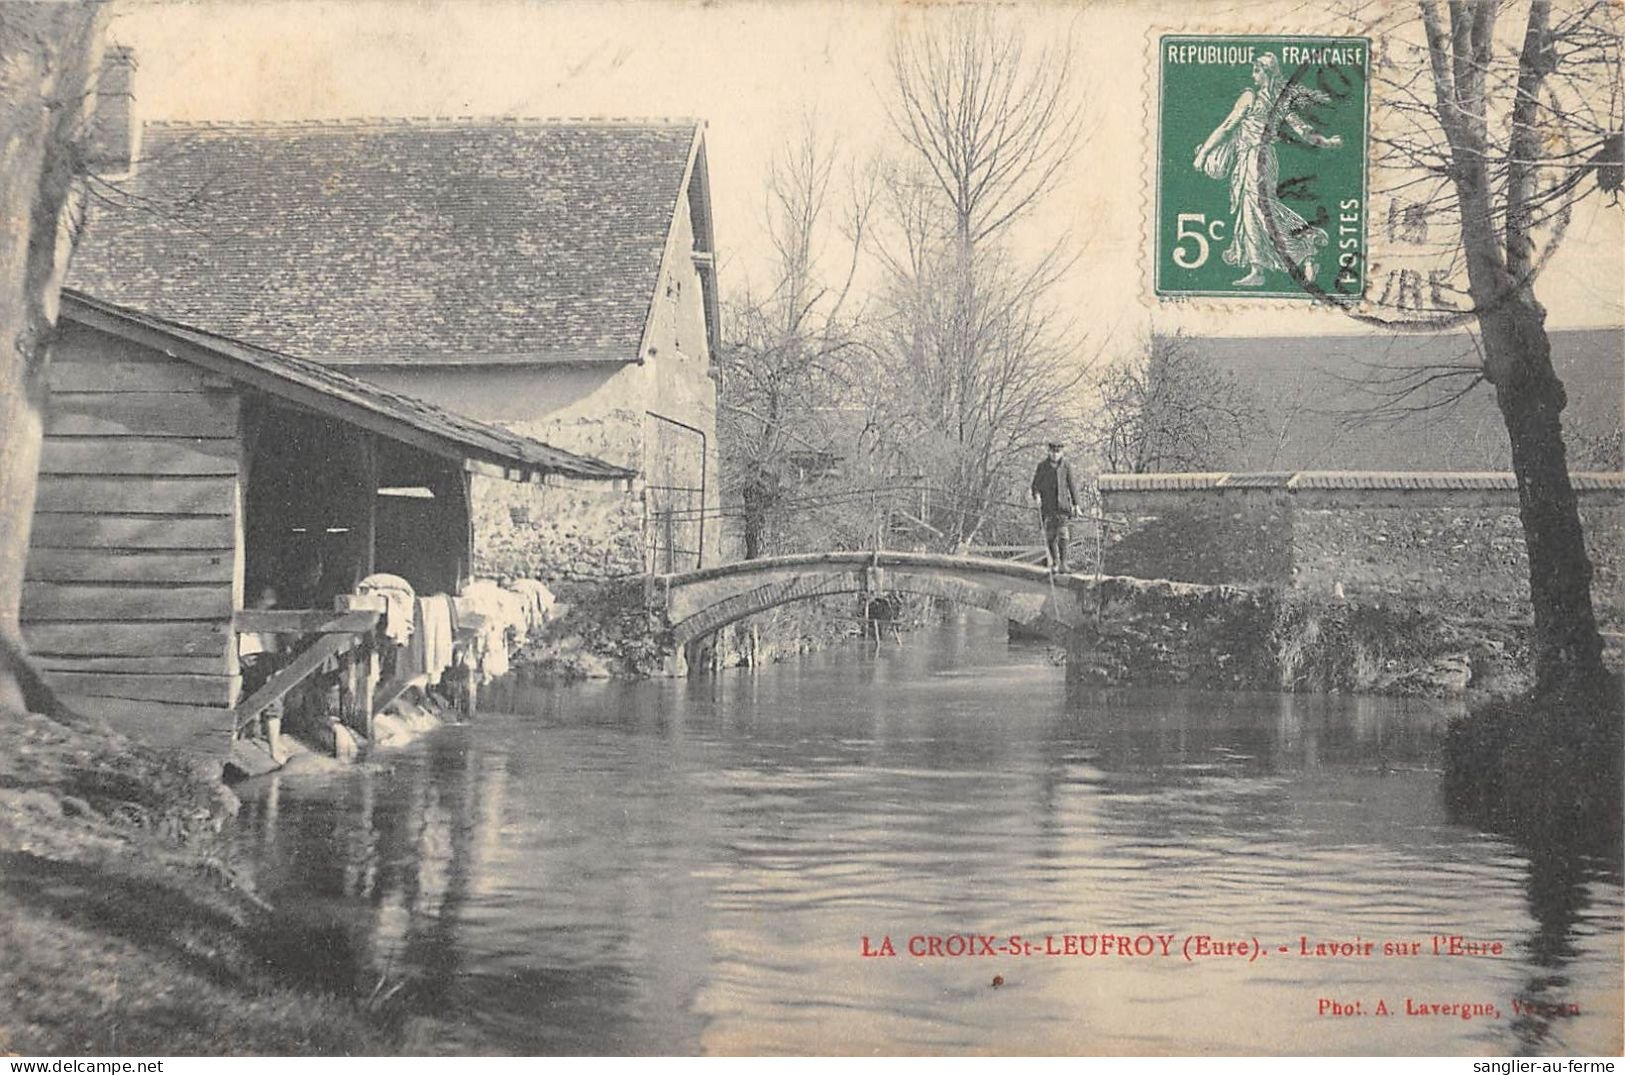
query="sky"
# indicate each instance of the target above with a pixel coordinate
(754, 71)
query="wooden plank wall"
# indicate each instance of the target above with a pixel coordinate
(136, 562)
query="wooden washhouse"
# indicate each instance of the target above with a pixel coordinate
(182, 472)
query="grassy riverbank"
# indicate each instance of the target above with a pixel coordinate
(123, 927)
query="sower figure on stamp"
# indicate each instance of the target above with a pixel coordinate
(1266, 234)
(1057, 498)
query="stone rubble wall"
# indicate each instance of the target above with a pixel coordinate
(566, 529)
(1467, 560)
(1240, 537)
(1459, 551)
(570, 530)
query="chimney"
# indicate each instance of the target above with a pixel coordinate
(114, 142)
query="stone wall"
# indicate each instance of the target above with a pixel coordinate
(1604, 522)
(566, 530)
(1240, 537)
(1460, 551)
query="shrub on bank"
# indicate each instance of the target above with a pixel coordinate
(1544, 770)
(598, 628)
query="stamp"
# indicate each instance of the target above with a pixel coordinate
(1261, 170)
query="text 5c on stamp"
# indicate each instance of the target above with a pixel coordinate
(1261, 166)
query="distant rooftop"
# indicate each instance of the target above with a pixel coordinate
(397, 241)
(1314, 392)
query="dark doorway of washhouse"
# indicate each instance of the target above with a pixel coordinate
(328, 504)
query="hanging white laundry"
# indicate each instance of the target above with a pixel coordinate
(399, 604)
(434, 637)
(506, 621)
(539, 600)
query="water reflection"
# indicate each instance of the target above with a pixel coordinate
(691, 867)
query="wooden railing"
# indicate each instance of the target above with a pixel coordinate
(1021, 554)
(346, 634)
(349, 636)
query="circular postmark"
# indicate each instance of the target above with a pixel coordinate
(1401, 306)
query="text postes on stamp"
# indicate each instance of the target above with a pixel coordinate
(1261, 166)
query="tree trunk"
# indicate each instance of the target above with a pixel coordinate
(48, 56)
(1517, 352)
(757, 501)
(755, 524)
(1568, 649)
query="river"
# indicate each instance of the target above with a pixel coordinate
(699, 867)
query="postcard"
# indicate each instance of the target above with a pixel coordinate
(808, 528)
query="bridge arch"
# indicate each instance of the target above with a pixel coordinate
(699, 603)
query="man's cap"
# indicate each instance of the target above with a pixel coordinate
(1055, 445)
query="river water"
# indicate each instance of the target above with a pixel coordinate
(698, 867)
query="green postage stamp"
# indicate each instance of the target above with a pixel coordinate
(1261, 166)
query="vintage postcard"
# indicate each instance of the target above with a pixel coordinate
(750, 527)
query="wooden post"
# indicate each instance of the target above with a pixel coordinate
(239, 551)
(361, 674)
(369, 482)
(352, 686)
(369, 687)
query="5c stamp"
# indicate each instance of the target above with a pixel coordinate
(1261, 166)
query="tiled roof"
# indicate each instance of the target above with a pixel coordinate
(333, 392)
(1312, 392)
(396, 241)
(1410, 479)
(1153, 482)
(1346, 479)
(1257, 480)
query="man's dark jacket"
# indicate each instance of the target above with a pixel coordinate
(1049, 481)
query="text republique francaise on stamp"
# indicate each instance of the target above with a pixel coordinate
(1261, 166)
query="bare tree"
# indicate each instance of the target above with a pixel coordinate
(48, 59)
(976, 368)
(1172, 409)
(971, 381)
(785, 354)
(1498, 136)
(990, 118)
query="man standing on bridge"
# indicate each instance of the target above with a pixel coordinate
(1057, 498)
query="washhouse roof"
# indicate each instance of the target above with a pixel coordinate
(318, 388)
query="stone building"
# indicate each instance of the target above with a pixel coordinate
(552, 277)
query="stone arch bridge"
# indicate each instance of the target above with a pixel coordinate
(1093, 617)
